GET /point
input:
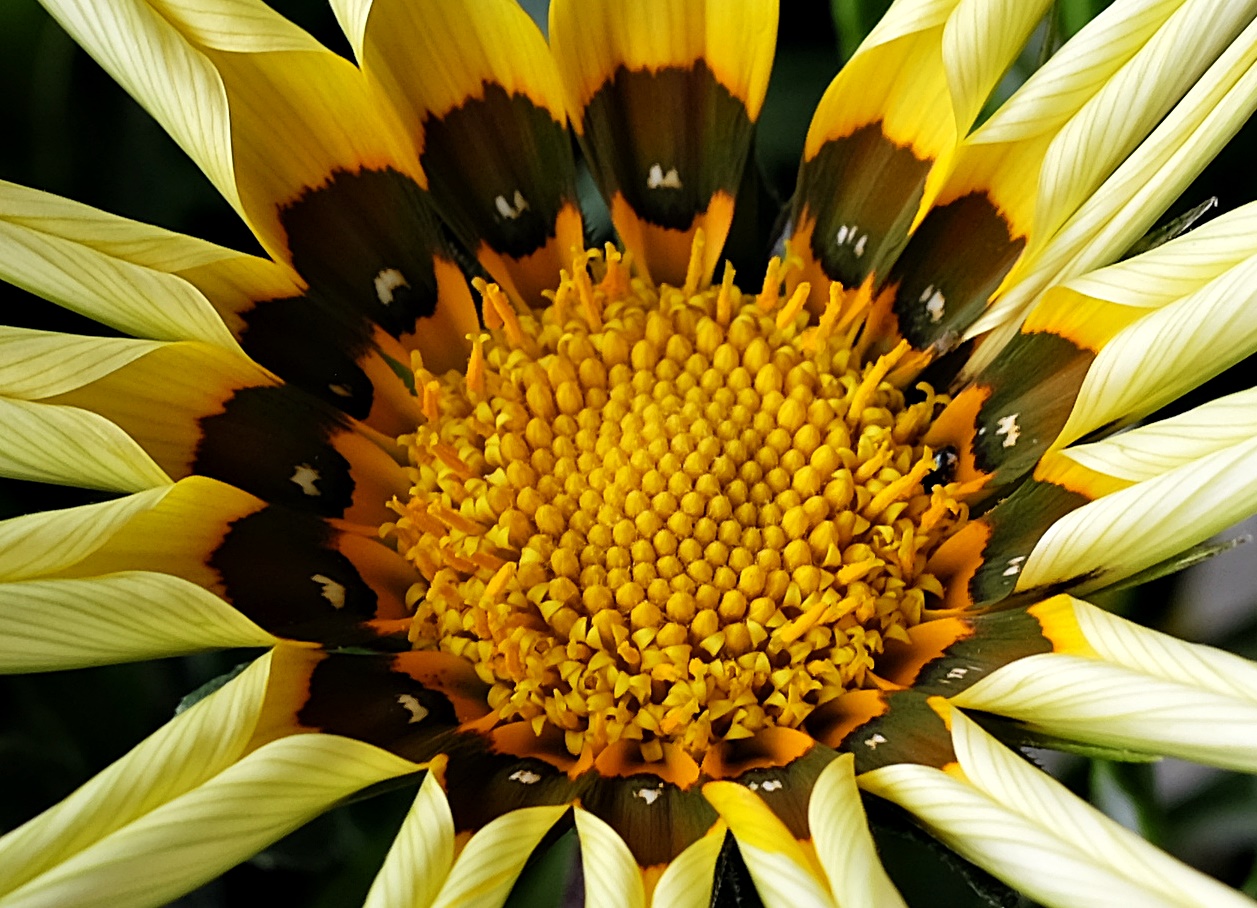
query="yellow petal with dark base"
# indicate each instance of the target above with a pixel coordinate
(288, 131)
(199, 409)
(663, 96)
(476, 88)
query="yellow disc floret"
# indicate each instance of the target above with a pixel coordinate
(674, 515)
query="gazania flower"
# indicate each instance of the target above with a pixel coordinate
(619, 544)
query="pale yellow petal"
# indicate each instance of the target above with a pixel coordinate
(187, 751)
(57, 624)
(488, 867)
(612, 876)
(198, 835)
(69, 446)
(784, 875)
(843, 842)
(421, 855)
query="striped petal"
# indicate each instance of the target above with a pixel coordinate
(611, 873)
(663, 96)
(160, 285)
(1138, 526)
(1110, 681)
(885, 122)
(688, 880)
(1036, 184)
(843, 842)
(289, 133)
(69, 446)
(185, 753)
(225, 820)
(69, 254)
(421, 854)
(1106, 348)
(293, 574)
(194, 408)
(57, 624)
(1130, 200)
(1167, 353)
(489, 126)
(998, 811)
(785, 875)
(488, 866)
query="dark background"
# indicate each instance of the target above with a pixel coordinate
(69, 130)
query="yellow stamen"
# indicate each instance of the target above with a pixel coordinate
(771, 291)
(585, 289)
(724, 301)
(475, 366)
(790, 311)
(698, 258)
(673, 521)
(496, 302)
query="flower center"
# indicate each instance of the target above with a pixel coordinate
(669, 514)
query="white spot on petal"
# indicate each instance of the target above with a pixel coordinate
(860, 244)
(935, 306)
(1007, 426)
(649, 795)
(957, 673)
(387, 282)
(771, 785)
(306, 476)
(842, 234)
(333, 592)
(1014, 566)
(875, 739)
(511, 209)
(418, 712)
(657, 179)
(524, 777)
(340, 390)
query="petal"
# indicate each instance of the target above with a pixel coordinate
(663, 96)
(687, 881)
(186, 752)
(844, 844)
(291, 573)
(213, 827)
(1001, 813)
(1136, 527)
(784, 874)
(289, 133)
(70, 446)
(160, 285)
(1147, 451)
(1106, 348)
(1038, 183)
(200, 409)
(1110, 681)
(611, 873)
(64, 252)
(421, 854)
(489, 126)
(35, 545)
(1129, 201)
(1170, 351)
(487, 868)
(883, 124)
(980, 41)
(57, 624)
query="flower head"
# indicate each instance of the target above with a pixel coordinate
(603, 539)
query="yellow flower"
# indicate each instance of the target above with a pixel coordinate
(624, 546)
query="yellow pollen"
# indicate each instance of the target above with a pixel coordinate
(667, 515)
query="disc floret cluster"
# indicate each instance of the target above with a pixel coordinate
(671, 514)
